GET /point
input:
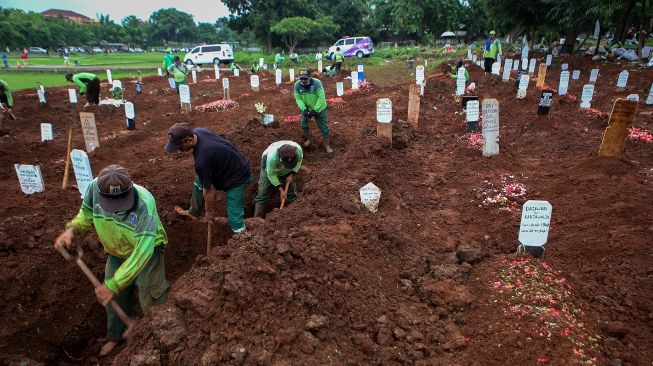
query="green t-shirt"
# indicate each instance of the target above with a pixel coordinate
(274, 167)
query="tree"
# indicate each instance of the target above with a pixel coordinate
(171, 25)
(134, 30)
(293, 30)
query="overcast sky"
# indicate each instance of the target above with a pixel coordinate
(203, 10)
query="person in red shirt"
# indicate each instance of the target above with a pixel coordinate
(23, 56)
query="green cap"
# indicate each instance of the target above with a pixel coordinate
(492, 33)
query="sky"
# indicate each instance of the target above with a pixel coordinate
(203, 10)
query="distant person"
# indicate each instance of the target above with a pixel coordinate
(66, 60)
(23, 57)
(127, 224)
(277, 59)
(492, 50)
(179, 72)
(294, 58)
(5, 64)
(280, 163)
(6, 99)
(338, 60)
(310, 98)
(89, 84)
(218, 166)
(168, 59)
(255, 68)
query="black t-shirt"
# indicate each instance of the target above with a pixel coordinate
(218, 162)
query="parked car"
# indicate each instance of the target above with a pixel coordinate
(353, 46)
(37, 51)
(210, 54)
(97, 50)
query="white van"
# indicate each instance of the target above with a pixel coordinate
(353, 46)
(210, 54)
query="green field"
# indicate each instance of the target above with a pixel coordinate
(28, 80)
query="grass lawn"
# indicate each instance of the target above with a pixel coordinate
(100, 59)
(29, 80)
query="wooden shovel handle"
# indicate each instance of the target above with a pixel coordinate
(283, 200)
(209, 234)
(64, 183)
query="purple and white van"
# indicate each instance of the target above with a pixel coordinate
(353, 46)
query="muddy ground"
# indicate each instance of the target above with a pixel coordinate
(429, 279)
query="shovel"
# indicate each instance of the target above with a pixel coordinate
(283, 201)
(121, 314)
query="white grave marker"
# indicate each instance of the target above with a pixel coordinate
(564, 83)
(236, 72)
(30, 178)
(594, 74)
(254, 82)
(474, 58)
(506, 70)
(524, 64)
(354, 80)
(340, 88)
(531, 66)
(384, 110)
(515, 65)
(490, 127)
(268, 119)
(575, 75)
(370, 196)
(535, 221)
(523, 86)
(549, 58)
(216, 70)
(419, 74)
(469, 54)
(72, 96)
(194, 76)
(89, 130)
(225, 83)
(159, 71)
(649, 99)
(171, 83)
(524, 52)
(634, 97)
(261, 61)
(472, 111)
(564, 67)
(291, 75)
(460, 81)
(109, 78)
(623, 79)
(82, 167)
(130, 113)
(46, 132)
(277, 76)
(184, 93)
(496, 68)
(586, 96)
(41, 95)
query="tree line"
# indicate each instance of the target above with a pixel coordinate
(290, 23)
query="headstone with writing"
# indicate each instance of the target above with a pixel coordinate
(47, 134)
(575, 75)
(89, 130)
(524, 52)
(41, 95)
(549, 58)
(515, 65)
(130, 114)
(82, 168)
(226, 95)
(621, 118)
(523, 86)
(419, 74)
(586, 96)
(384, 118)
(194, 76)
(109, 78)
(649, 99)
(535, 221)
(460, 81)
(72, 96)
(472, 114)
(291, 75)
(278, 76)
(467, 98)
(594, 75)
(531, 67)
(564, 67)
(564, 83)
(184, 97)
(171, 83)
(268, 119)
(541, 75)
(622, 81)
(159, 71)
(216, 71)
(236, 72)
(370, 196)
(634, 97)
(354, 80)
(546, 99)
(30, 178)
(340, 88)
(506, 70)
(490, 127)
(254, 82)
(496, 68)
(524, 64)
(361, 72)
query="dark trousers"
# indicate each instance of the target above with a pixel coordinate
(264, 185)
(338, 66)
(4, 100)
(93, 91)
(488, 64)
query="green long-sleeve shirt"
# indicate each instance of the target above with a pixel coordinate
(7, 91)
(82, 79)
(129, 235)
(274, 167)
(310, 96)
(454, 73)
(168, 59)
(493, 50)
(179, 73)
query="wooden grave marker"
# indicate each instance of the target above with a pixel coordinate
(89, 129)
(109, 78)
(354, 80)
(291, 75)
(225, 89)
(549, 59)
(531, 67)
(370, 196)
(413, 105)
(194, 76)
(614, 137)
(506, 70)
(575, 75)
(460, 81)
(541, 75)
(649, 99)
(171, 83)
(216, 71)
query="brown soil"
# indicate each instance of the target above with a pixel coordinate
(324, 281)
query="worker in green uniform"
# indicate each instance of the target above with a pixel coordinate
(179, 72)
(127, 224)
(338, 60)
(168, 59)
(491, 51)
(454, 71)
(6, 98)
(310, 98)
(279, 165)
(89, 84)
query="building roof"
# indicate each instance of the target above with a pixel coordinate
(65, 13)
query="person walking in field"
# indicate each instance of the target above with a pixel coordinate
(23, 57)
(89, 84)
(5, 64)
(168, 60)
(125, 218)
(311, 100)
(279, 165)
(492, 50)
(338, 60)
(179, 72)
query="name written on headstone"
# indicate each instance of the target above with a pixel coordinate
(82, 168)
(89, 130)
(370, 196)
(46, 132)
(535, 222)
(30, 178)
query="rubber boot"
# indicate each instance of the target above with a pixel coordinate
(259, 210)
(307, 139)
(325, 142)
